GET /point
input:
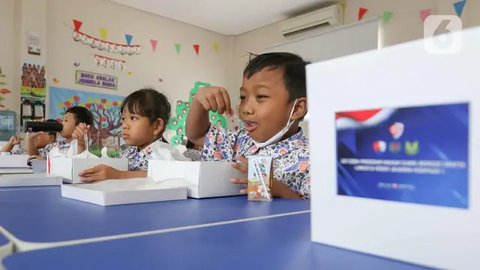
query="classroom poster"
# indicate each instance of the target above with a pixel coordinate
(413, 154)
(33, 92)
(106, 130)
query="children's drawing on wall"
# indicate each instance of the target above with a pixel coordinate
(106, 130)
(33, 92)
(33, 42)
(3, 91)
(3, 77)
(177, 122)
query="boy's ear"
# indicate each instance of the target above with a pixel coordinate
(300, 109)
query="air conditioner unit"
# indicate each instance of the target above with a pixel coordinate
(331, 15)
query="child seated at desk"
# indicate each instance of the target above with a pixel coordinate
(76, 120)
(145, 115)
(272, 103)
(39, 142)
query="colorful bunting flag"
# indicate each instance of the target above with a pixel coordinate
(128, 38)
(103, 33)
(178, 47)
(77, 24)
(196, 47)
(216, 47)
(361, 13)
(344, 6)
(424, 13)
(153, 42)
(387, 16)
(459, 7)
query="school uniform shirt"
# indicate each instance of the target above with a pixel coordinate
(62, 145)
(138, 159)
(291, 157)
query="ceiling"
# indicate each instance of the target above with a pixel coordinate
(228, 17)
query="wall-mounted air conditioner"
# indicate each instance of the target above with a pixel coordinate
(327, 16)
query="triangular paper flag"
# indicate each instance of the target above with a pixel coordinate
(196, 47)
(215, 46)
(103, 33)
(178, 47)
(153, 42)
(387, 16)
(128, 38)
(361, 13)
(425, 13)
(344, 6)
(459, 7)
(77, 24)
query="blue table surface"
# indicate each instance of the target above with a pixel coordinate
(42, 215)
(275, 243)
(3, 240)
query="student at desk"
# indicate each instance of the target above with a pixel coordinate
(145, 115)
(272, 103)
(39, 142)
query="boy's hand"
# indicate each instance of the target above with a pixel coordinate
(98, 173)
(14, 140)
(79, 134)
(242, 166)
(214, 99)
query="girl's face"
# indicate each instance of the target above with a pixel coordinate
(138, 131)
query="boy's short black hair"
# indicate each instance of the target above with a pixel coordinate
(82, 115)
(293, 71)
(150, 103)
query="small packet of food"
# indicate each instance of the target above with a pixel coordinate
(260, 178)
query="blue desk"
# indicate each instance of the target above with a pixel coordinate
(6, 247)
(42, 215)
(275, 243)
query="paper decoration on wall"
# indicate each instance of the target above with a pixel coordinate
(387, 16)
(153, 42)
(33, 42)
(128, 38)
(55, 80)
(32, 92)
(76, 64)
(96, 79)
(177, 122)
(106, 129)
(3, 92)
(108, 62)
(3, 77)
(459, 7)
(102, 45)
(103, 33)
(129, 73)
(178, 47)
(424, 13)
(344, 6)
(196, 47)
(216, 46)
(160, 80)
(361, 13)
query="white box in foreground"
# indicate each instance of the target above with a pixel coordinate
(116, 192)
(396, 77)
(69, 168)
(205, 178)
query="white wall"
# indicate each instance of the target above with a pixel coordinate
(404, 26)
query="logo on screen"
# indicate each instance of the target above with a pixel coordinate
(396, 130)
(379, 146)
(395, 147)
(412, 148)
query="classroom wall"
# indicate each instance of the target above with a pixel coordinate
(404, 26)
(163, 69)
